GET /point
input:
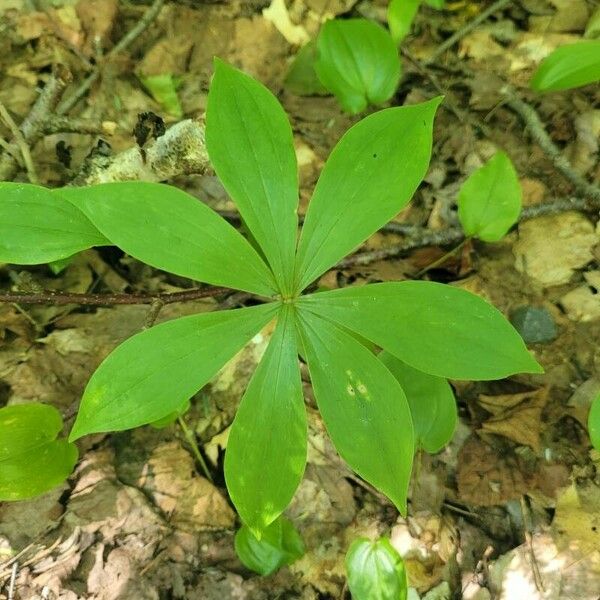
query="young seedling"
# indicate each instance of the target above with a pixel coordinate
(354, 59)
(402, 13)
(489, 201)
(569, 67)
(369, 177)
(375, 571)
(32, 459)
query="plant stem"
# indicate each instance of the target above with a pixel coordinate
(442, 259)
(189, 436)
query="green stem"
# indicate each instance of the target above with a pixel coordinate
(189, 436)
(442, 259)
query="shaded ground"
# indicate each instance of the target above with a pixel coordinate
(510, 510)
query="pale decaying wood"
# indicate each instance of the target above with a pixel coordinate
(180, 151)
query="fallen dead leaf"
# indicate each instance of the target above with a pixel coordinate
(485, 477)
(517, 417)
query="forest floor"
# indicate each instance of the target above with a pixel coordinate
(510, 510)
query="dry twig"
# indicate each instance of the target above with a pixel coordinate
(21, 143)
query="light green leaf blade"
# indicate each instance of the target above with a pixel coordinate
(266, 448)
(437, 4)
(152, 373)
(163, 89)
(363, 406)
(170, 230)
(32, 460)
(434, 328)
(594, 423)
(250, 144)
(301, 78)
(369, 178)
(431, 401)
(569, 67)
(400, 16)
(36, 227)
(357, 61)
(375, 571)
(279, 545)
(489, 201)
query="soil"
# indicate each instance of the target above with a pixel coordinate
(510, 509)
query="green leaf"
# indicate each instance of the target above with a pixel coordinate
(375, 571)
(163, 89)
(37, 227)
(270, 424)
(170, 230)
(152, 373)
(431, 401)
(301, 78)
(437, 4)
(368, 179)
(400, 16)
(32, 460)
(594, 423)
(250, 144)
(357, 61)
(172, 416)
(434, 328)
(568, 67)
(363, 406)
(489, 201)
(279, 545)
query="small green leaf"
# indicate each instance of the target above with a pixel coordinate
(368, 179)
(37, 227)
(163, 89)
(400, 16)
(279, 545)
(152, 373)
(301, 78)
(569, 67)
(437, 4)
(375, 571)
(594, 423)
(250, 144)
(363, 406)
(357, 61)
(32, 460)
(172, 416)
(270, 424)
(170, 230)
(592, 29)
(58, 266)
(435, 328)
(489, 201)
(431, 401)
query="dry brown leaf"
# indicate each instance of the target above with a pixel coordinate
(485, 477)
(517, 417)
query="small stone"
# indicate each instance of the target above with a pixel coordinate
(535, 325)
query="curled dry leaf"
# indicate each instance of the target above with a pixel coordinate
(517, 417)
(485, 478)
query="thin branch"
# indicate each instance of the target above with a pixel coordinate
(419, 237)
(149, 16)
(21, 143)
(470, 26)
(538, 132)
(62, 298)
(32, 127)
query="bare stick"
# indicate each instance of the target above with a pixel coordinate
(62, 298)
(541, 137)
(21, 143)
(419, 237)
(149, 16)
(470, 26)
(32, 126)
